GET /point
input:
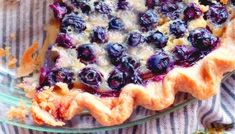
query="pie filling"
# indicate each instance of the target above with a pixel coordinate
(104, 45)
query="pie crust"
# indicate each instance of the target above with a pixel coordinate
(57, 104)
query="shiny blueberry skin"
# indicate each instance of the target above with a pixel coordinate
(100, 35)
(135, 39)
(203, 39)
(86, 54)
(158, 39)
(192, 12)
(59, 9)
(127, 63)
(116, 24)
(115, 50)
(218, 14)
(148, 19)
(51, 77)
(90, 77)
(119, 78)
(64, 40)
(159, 63)
(123, 4)
(178, 28)
(75, 22)
(186, 55)
(102, 8)
(83, 5)
(170, 9)
(116, 79)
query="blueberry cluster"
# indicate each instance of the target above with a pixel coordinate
(126, 68)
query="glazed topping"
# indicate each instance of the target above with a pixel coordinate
(109, 44)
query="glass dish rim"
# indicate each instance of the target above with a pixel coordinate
(5, 99)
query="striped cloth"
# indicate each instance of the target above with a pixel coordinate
(26, 20)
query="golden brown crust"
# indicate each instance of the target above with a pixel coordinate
(28, 62)
(202, 80)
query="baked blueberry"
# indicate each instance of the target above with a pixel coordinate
(159, 62)
(127, 63)
(73, 22)
(170, 9)
(158, 39)
(51, 77)
(99, 35)
(192, 12)
(178, 28)
(134, 39)
(116, 24)
(119, 78)
(86, 54)
(102, 7)
(90, 77)
(64, 40)
(115, 50)
(148, 19)
(203, 39)
(186, 55)
(59, 9)
(116, 79)
(83, 5)
(123, 4)
(218, 14)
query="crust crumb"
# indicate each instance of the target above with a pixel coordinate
(2, 52)
(28, 63)
(11, 62)
(18, 113)
(28, 89)
(12, 36)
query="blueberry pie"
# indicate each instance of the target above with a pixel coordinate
(110, 56)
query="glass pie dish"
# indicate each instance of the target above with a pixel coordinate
(85, 123)
(28, 28)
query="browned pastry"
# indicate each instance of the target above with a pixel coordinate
(111, 56)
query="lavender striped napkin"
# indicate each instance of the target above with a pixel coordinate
(26, 20)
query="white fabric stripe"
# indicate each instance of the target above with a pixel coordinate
(213, 111)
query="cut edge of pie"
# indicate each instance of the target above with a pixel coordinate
(201, 80)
